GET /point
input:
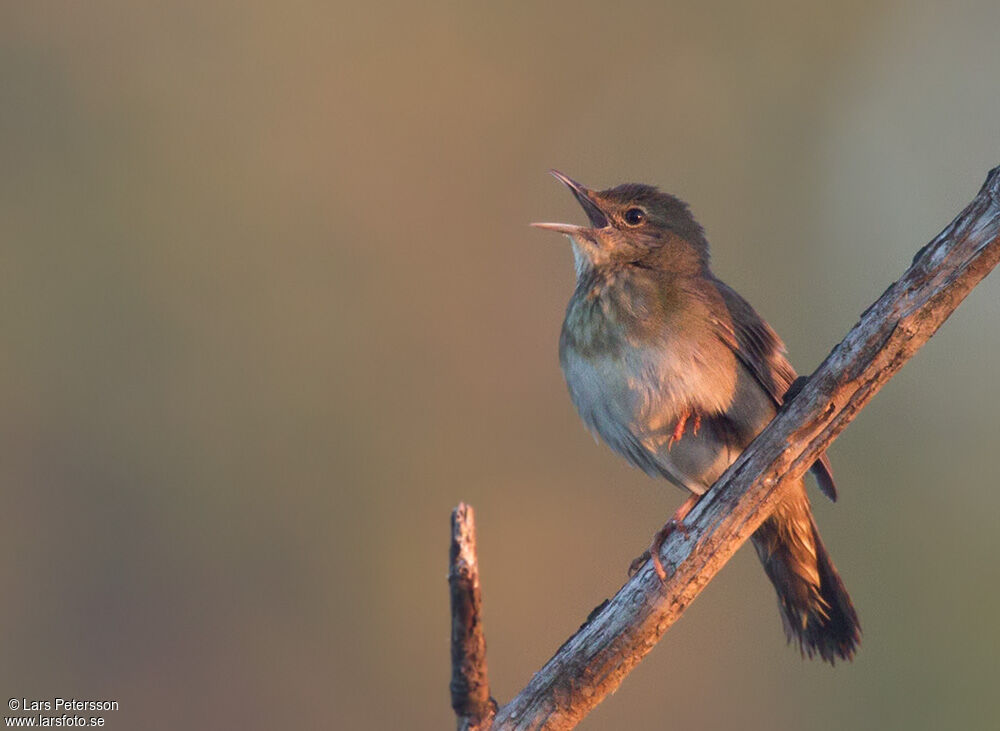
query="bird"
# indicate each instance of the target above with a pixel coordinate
(677, 373)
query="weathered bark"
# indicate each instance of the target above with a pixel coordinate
(594, 661)
(470, 687)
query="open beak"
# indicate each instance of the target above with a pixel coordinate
(586, 199)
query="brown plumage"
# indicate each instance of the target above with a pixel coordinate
(677, 373)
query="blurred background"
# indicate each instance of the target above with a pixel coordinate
(271, 307)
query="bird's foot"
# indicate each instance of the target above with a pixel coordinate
(676, 523)
(682, 425)
(653, 553)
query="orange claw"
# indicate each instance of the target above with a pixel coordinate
(679, 429)
(682, 424)
(676, 523)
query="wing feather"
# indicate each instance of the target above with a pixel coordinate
(761, 351)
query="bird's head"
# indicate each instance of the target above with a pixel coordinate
(633, 224)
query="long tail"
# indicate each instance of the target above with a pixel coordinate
(815, 607)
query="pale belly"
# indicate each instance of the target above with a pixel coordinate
(635, 403)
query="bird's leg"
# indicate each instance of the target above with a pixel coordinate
(675, 523)
(678, 429)
(682, 424)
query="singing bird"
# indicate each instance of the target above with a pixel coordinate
(677, 373)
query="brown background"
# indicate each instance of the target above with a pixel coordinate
(270, 307)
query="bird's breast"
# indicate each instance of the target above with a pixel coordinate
(632, 378)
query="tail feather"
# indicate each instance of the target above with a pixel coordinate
(816, 609)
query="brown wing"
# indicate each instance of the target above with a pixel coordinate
(760, 349)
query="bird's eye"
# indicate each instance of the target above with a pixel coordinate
(634, 216)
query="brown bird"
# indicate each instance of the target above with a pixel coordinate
(677, 373)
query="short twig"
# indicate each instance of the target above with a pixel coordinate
(470, 688)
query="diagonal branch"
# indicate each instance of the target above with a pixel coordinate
(595, 660)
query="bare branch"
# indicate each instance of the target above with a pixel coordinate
(595, 660)
(470, 688)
